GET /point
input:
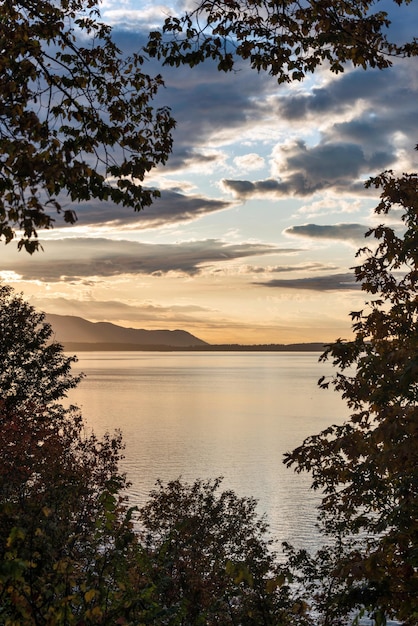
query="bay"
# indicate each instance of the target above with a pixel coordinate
(208, 414)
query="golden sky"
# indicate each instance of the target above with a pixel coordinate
(262, 209)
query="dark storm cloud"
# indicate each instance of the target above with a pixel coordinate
(330, 282)
(171, 208)
(79, 258)
(344, 232)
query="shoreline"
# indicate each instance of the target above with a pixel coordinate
(123, 347)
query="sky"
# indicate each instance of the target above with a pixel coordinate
(262, 205)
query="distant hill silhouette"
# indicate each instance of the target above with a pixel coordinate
(69, 329)
(77, 334)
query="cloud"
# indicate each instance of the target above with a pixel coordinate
(171, 208)
(278, 269)
(303, 171)
(329, 282)
(329, 164)
(329, 203)
(246, 189)
(211, 110)
(203, 101)
(354, 131)
(358, 108)
(351, 117)
(338, 95)
(344, 232)
(315, 267)
(73, 259)
(122, 15)
(191, 158)
(105, 310)
(249, 162)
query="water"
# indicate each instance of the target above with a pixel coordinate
(202, 415)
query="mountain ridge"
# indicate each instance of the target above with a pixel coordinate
(77, 334)
(73, 329)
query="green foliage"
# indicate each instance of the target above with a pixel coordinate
(76, 117)
(209, 560)
(367, 467)
(288, 39)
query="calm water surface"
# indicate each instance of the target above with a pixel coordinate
(202, 415)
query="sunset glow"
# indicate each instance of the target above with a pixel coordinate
(262, 205)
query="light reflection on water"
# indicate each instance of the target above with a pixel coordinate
(202, 415)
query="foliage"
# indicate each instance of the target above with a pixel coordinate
(66, 540)
(65, 536)
(367, 467)
(76, 117)
(33, 367)
(315, 574)
(210, 561)
(286, 38)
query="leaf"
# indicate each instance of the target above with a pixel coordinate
(90, 595)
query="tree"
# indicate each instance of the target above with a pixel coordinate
(367, 467)
(68, 554)
(76, 117)
(286, 38)
(34, 368)
(66, 540)
(210, 561)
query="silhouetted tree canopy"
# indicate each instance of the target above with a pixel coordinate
(66, 540)
(367, 468)
(76, 117)
(210, 560)
(287, 39)
(34, 367)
